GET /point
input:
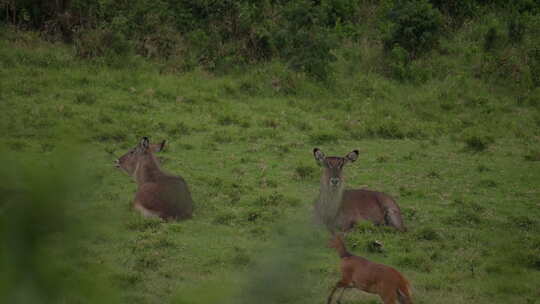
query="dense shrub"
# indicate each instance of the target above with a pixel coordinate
(516, 29)
(101, 43)
(457, 10)
(402, 68)
(521, 6)
(216, 35)
(492, 39)
(412, 25)
(339, 11)
(304, 41)
(534, 65)
(478, 142)
(221, 36)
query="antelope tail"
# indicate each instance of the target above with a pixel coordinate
(393, 218)
(392, 213)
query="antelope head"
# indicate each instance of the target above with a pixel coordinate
(131, 161)
(333, 167)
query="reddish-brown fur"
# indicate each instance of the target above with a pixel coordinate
(158, 193)
(341, 209)
(358, 272)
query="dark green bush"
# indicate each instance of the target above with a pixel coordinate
(412, 25)
(534, 65)
(458, 11)
(304, 172)
(304, 42)
(487, 183)
(221, 36)
(399, 61)
(164, 42)
(478, 142)
(533, 155)
(402, 68)
(101, 42)
(516, 29)
(521, 6)
(522, 222)
(491, 39)
(428, 234)
(85, 98)
(339, 11)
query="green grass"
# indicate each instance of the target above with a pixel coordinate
(460, 156)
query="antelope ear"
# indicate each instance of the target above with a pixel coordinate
(335, 238)
(145, 143)
(158, 147)
(162, 145)
(339, 237)
(352, 156)
(319, 155)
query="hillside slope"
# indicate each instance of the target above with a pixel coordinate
(460, 155)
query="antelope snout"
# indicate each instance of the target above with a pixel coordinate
(334, 181)
(117, 163)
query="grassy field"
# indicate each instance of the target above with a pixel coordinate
(460, 155)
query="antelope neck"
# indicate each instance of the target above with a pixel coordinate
(330, 194)
(147, 171)
(342, 251)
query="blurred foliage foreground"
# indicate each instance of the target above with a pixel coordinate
(41, 233)
(43, 237)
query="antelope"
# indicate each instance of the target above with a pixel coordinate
(158, 193)
(340, 209)
(358, 272)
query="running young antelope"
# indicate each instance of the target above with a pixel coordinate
(158, 193)
(339, 209)
(358, 272)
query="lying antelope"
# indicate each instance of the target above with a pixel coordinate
(370, 277)
(340, 209)
(158, 193)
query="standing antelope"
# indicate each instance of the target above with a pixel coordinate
(340, 209)
(158, 193)
(370, 277)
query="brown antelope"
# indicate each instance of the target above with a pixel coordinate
(340, 209)
(358, 272)
(158, 193)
